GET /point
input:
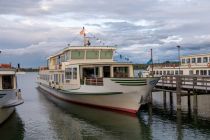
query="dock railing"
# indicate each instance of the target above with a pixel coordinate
(184, 85)
(195, 82)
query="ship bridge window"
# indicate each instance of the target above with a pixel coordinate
(92, 54)
(183, 61)
(188, 60)
(76, 54)
(193, 60)
(205, 59)
(106, 54)
(199, 60)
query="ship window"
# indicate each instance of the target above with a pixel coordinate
(204, 72)
(164, 72)
(92, 54)
(62, 78)
(77, 54)
(188, 60)
(199, 60)
(7, 82)
(68, 73)
(193, 60)
(205, 59)
(191, 72)
(176, 72)
(183, 61)
(161, 73)
(208, 72)
(74, 73)
(201, 72)
(106, 54)
(181, 72)
(168, 72)
(120, 72)
(197, 72)
(172, 72)
(157, 72)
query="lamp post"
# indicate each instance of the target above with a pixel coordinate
(178, 47)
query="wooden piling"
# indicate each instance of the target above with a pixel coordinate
(164, 99)
(189, 101)
(171, 100)
(195, 102)
(178, 92)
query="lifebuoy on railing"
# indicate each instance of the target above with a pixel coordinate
(208, 65)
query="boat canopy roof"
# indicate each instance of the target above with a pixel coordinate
(7, 71)
(83, 48)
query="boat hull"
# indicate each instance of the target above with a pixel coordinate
(5, 113)
(127, 99)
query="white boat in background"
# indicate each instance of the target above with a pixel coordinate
(88, 75)
(198, 64)
(10, 96)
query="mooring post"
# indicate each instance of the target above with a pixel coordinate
(164, 99)
(171, 100)
(189, 101)
(178, 92)
(195, 102)
(195, 98)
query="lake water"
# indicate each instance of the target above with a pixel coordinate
(46, 118)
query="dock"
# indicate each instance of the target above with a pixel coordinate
(183, 85)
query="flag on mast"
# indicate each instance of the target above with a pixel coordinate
(82, 32)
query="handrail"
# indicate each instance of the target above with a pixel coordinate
(94, 81)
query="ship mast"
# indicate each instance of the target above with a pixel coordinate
(85, 38)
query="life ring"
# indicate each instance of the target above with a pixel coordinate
(208, 65)
(189, 66)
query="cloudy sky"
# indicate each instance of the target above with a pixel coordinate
(30, 30)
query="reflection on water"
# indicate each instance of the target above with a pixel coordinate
(12, 129)
(42, 117)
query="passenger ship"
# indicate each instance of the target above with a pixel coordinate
(10, 96)
(88, 75)
(198, 64)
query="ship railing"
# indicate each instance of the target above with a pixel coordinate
(93, 81)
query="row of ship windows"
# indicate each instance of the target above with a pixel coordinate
(70, 73)
(196, 60)
(176, 72)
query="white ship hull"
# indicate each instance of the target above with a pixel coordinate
(113, 95)
(5, 113)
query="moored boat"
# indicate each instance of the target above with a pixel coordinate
(10, 96)
(89, 75)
